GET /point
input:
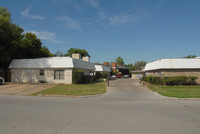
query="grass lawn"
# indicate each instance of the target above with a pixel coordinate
(177, 91)
(75, 89)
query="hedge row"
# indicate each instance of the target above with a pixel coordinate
(78, 77)
(101, 75)
(154, 80)
(171, 81)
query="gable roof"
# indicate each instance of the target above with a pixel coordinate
(183, 63)
(52, 62)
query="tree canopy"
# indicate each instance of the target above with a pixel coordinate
(131, 67)
(139, 64)
(83, 52)
(190, 56)
(14, 44)
(59, 54)
(119, 61)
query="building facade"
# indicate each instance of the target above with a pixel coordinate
(174, 67)
(51, 69)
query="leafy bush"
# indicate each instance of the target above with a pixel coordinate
(171, 81)
(153, 80)
(98, 75)
(77, 77)
(104, 75)
(101, 75)
(180, 80)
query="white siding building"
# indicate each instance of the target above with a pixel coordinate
(174, 67)
(52, 69)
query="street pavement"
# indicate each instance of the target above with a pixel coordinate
(126, 108)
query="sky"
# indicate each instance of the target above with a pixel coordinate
(132, 29)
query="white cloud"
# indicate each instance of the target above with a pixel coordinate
(103, 15)
(93, 3)
(126, 17)
(69, 23)
(26, 14)
(78, 7)
(47, 36)
(119, 19)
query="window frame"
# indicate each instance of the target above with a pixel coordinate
(60, 72)
(41, 72)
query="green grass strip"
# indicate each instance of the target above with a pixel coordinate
(177, 91)
(75, 89)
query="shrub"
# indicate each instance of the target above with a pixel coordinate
(192, 80)
(98, 75)
(153, 80)
(77, 77)
(104, 75)
(171, 81)
(180, 80)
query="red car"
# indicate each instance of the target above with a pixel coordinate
(119, 76)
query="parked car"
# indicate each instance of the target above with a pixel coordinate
(126, 76)
(113, 76)
(119, 76)
(1, 80)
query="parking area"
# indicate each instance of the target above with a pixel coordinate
(22, 89)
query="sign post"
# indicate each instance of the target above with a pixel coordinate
(107, 79)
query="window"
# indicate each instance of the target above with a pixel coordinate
(59, 74)
(41, 72)
(160, 73)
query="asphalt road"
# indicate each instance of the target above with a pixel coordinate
(127, 108)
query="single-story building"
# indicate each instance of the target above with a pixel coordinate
(119, 69)
(102, 68)
(51, 69)
(137, 74)
(174, 67)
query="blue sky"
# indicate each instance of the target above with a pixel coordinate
(133, 29)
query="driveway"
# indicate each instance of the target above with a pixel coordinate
(127, 108)
(22, 89)
(130, 90)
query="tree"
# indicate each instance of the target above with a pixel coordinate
(45, 52)
(190, 56)
(14, 44)
(131, 67)
(139, 64)
(31, 47)
(119, 61)
(83, 52)
(10, 35)
(59, 54)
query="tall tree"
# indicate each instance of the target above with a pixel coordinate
(10, 35)
(139, 64)
(32, 47)
(119, 61)
(14, 44)
(83, 52)
(190, 56)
